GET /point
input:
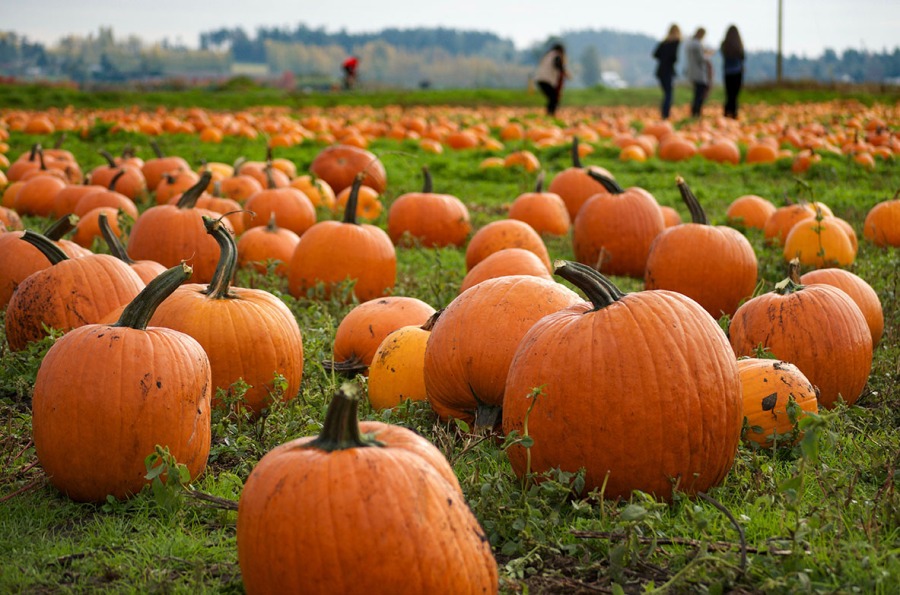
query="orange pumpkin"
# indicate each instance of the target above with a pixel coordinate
(503, 263)
(339, 165)
(749, 211)
(431, 219)
(882, 223)
(505, 233)
(147, 270)
(260, 245)
(544, 211)
(767, 387)
(574, 185)
(859, 291)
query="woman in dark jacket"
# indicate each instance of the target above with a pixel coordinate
(666, 54)
(733, 69)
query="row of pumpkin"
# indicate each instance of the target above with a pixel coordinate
(647, 368)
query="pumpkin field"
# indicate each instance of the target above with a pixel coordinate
(305, 345)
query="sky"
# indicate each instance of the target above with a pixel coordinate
(809, 26)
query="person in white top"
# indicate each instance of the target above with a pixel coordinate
(550, 75)
(698, 70)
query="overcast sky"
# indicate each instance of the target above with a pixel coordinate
(809, 26)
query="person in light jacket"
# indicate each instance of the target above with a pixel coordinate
(698, 70)
(551, 74)
(732, 69)
(666, 54)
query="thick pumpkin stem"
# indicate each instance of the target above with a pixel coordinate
(594, 285)
(539, 183)
(341, 428)
(270, 177)
(353, 199)
(611, 185)
(792, 283)
(156, 150)
(698, 215)
(35, 148)
(138, 313)
(427, 185)
(108, 156)
(115, 246)
(576, 156)
(271, 226)
(220, 284)
(61, 227)
(115, 178)
(432, 320)
(53, 252)
(189, 197)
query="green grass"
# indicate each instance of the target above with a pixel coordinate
(821, 518)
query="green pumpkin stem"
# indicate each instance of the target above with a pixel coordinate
(53, 252)
(60, 227)
(599, 290)
(115, 246)
(427, 186)
(341, 428)
(220, 284)
(189, 197)
(698, 215)
(353, 200)
(611, 185)
(792, 283)
(138, 313)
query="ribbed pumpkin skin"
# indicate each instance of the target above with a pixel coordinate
(575, 186)
(258, 245)
(859, 291)
(19, 259)
(819, 243)
(67, 295)
(93, 426)
(363, 329)
(767, 385)
(169, 235)
(303, 527)
(544, 211)
(749, 211)
(397, 371)
(250, 335)
(293, 210)
(505, 233)
(882, 224)
(434, 220)
(473, 341)
(503, 263)
(645, 389)
(339, 164)
(623, 225)
(330, 252)
(714, 265)
(818, 329)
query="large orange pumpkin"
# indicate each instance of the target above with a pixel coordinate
(713, 264)
(413, 507)
(94, 428)
(332, 252)
(248, 334)
(818, 328)
(339, 165)
(862, 294)
(641, 390)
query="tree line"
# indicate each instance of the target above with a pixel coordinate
(437, 57)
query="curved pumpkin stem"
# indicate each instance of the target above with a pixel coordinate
(698, 215)
(115, 246)
(792, 283)
(539, 183)
(60, 227)
(35, 148)
(108, 156)
(53, 252)
(426, 183)
(220, 284)
(59, 141)
(156, 150)
(611, 185)
(599, 290)
(189, 197)
(341, 428)
(115, 178)
(138, 313)
(353, 200)
(576, 156)
(349, 367)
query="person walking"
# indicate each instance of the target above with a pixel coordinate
(698, 70)
(350, 66)
(732, 69)
(666, 54)
(551, 74)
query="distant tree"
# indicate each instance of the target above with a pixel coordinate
(590, 66)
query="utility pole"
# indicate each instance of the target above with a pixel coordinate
(779, 57)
